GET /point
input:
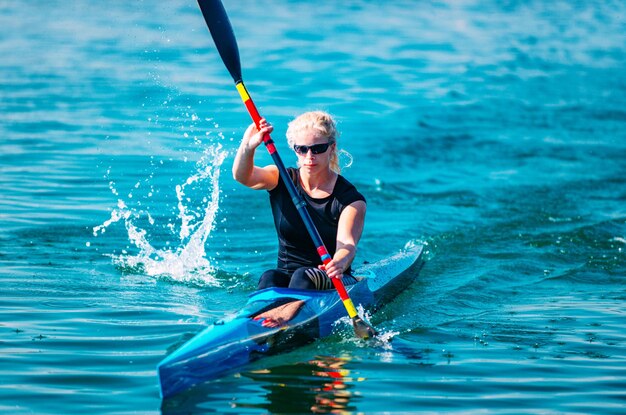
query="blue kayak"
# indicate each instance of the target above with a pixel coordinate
(230, 344)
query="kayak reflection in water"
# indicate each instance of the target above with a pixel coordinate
(334, 204)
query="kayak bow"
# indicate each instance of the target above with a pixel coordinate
(230, 344)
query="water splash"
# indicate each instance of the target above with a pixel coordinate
(382, 339)
(187, 261)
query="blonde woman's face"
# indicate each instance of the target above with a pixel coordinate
(313, 150)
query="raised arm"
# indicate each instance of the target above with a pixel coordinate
(244, 170)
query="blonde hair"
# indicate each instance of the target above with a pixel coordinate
(321, 122)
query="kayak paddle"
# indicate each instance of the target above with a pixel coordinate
(224, 38)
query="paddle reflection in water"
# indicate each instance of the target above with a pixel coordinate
(320, 385)
(335, 394)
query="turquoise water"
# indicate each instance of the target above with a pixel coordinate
(493, 132)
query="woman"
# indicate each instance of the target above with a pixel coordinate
(336, 208)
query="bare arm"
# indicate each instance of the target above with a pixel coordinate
(349, 233)
(244, 170)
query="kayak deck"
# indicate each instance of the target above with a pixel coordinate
(232, 343)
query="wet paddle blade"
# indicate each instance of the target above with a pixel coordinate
(363, 329)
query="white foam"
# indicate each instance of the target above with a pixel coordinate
(187, 260)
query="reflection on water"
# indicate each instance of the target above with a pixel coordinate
(321, 385)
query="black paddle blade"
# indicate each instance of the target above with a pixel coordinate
(363, 329)
(223, 35)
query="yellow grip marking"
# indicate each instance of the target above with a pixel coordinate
(243, 93)
(350, 307)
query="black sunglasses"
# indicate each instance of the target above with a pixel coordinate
(315, 148)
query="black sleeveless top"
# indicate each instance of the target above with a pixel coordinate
(295, 247)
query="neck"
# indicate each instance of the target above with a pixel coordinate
(318, 180)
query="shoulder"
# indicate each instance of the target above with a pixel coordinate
(280, 185)
(346, 192)
(293, 173)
